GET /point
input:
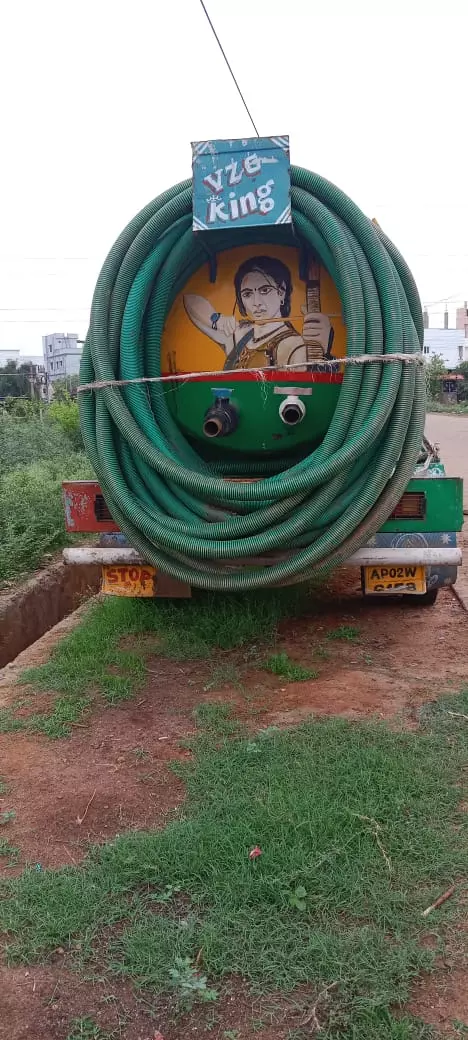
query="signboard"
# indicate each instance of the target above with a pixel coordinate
(241, 183)
(134, 580)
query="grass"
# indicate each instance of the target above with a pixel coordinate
(361, 825)
(7, 817)
(85, 1029)
(10, 851)
(57, 723)
(31, 510)
(448, 409)
(213, 716)
(223, 673)
(29, 440)
(281, 664)
(9, 723)
(348, 633)
(94, 661)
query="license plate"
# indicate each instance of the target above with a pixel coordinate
(393, 579)
(134, 580)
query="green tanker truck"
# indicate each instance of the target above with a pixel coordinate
(252, 394)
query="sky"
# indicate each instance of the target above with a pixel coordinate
(101, 99)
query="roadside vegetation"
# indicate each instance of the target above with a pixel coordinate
(40, 446)
(447, 409)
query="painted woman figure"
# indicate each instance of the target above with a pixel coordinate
(263, 336)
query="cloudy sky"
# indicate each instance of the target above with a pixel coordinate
(101, 98)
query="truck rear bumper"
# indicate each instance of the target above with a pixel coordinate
(426, 556)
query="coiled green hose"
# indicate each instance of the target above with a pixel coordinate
(177, 510)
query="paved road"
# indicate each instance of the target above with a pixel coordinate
(451, 433)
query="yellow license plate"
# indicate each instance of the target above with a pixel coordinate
(136, 580)
(393, 579)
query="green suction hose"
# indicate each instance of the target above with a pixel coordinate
(177, 510)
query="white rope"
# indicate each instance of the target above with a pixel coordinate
(326, 363)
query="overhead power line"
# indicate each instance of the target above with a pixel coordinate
(17, 258)
(45, 310)
(215, 34)
(39, 321)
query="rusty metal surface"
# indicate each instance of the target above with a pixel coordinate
(81, 512)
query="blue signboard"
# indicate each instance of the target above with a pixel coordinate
(241, 183)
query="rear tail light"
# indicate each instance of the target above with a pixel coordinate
(412, 506)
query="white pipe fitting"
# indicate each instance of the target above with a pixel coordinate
(292, 410)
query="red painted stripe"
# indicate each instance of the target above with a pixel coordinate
(243, 375)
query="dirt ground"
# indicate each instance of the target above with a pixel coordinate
(113, 774)
(402, 657)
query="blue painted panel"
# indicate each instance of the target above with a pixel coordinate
(241, 183)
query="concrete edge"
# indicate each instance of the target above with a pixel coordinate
(37, 653)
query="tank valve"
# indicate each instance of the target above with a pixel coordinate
(292, 410)
(221, 418)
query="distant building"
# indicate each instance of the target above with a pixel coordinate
(450, 344)
(462, 319)
(34, 368)
(450, 385)
(9, 355)
(62, 355)
(21, 359)
(32, 359)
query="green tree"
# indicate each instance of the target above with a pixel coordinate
(65, 388)
(15, 380)
(463, 369)
(435, 368)
(463, 387)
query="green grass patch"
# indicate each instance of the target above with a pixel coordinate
(348, 633)
(10, 851)
(55, 724)
(281, 664)
(59, 722)
(9, 723)
(212, 715)
(214, 720)
(86, 1029)
(7, 817)
(94, 660)
(360, 828)
(223, 673)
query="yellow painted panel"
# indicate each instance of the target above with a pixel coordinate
(135, 580)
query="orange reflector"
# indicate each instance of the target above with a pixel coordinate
(412, 506)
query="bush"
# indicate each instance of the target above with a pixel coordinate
(65, 414)
(448, 409)
(435, 368)
(31, 510)
(24, 441)
(30, 438)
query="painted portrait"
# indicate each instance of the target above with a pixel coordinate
(259, 333)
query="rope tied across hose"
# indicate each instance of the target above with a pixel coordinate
(179, 511)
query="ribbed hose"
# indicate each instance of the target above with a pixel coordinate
(177, 510)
